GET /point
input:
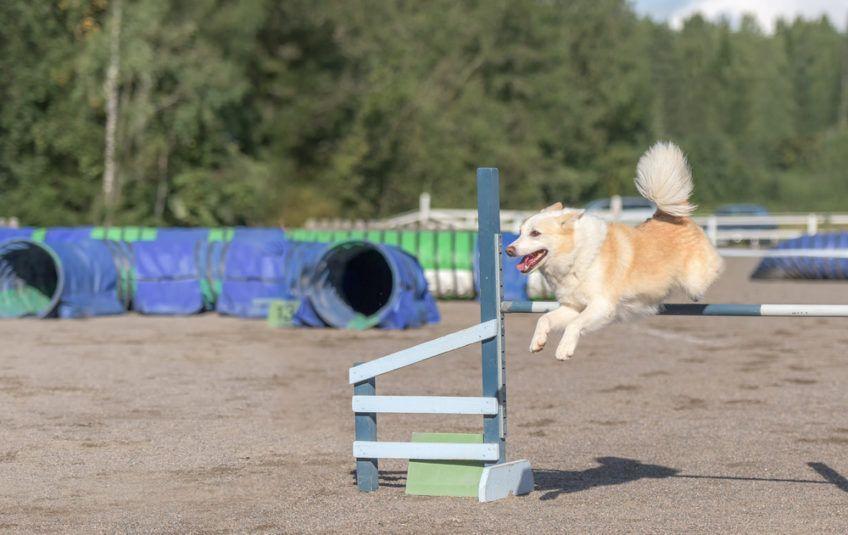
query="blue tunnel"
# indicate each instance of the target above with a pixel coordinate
(363, 284)
(807, 267)
(63, 279)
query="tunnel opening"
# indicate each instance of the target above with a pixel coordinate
(30, 279)
(353, 280)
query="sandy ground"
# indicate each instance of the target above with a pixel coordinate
(209, 424)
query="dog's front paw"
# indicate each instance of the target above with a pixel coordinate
(565, 350)
(538, 342)
(564, 354)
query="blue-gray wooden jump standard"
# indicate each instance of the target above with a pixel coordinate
(499, 477)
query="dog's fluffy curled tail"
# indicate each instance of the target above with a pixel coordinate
(663, 177)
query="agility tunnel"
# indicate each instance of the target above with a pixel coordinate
(66, 280)
(354, 284)
(816, 256)
(358, 284)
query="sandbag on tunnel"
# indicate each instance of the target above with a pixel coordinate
(66, 280)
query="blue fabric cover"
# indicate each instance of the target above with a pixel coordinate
(257, 270)
(169, 234)
(168, 276)
(91, 281)
(7, 233)
(806, 267)
(67, 234)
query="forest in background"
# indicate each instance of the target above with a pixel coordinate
(214, 112)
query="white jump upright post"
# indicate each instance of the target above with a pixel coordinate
(499, 478)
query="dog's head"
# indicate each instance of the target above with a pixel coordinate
(548, 233)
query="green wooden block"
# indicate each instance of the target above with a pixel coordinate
(444, 478)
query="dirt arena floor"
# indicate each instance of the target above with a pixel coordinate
(209, 424)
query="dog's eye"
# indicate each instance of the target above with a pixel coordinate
(535, 233)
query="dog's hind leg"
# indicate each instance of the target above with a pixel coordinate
(555, 319)
(700, 274)
(594, 316)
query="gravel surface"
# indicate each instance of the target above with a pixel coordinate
(211, 424)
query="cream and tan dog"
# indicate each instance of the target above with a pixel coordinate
(606, 271)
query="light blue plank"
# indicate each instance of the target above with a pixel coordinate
(423, 351)
(426, 451)
(718, 309)
(425, 404)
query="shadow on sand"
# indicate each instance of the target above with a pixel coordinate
(616, 470)
(612, 471)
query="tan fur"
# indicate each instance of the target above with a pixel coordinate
(606, 271)
(646, 262)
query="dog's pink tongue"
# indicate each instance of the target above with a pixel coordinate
(522, 266)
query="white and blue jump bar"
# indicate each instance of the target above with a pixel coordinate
(499, 477)
(695, 309)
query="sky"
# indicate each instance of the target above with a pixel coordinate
(766, 11)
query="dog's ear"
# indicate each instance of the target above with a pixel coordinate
(554, 207)
(571, 217)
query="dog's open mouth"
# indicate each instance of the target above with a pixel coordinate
(532, 260)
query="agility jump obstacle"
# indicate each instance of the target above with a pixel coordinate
(499, 477)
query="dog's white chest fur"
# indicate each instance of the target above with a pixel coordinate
(575, 279)
(568, 290)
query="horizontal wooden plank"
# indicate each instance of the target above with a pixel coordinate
(425, 404)
(424, 351)
(425, 451)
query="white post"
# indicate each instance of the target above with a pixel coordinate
(812, 224)
(712, 229)
(424, 208)
(615, 207)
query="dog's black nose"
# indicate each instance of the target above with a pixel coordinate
(510, 250)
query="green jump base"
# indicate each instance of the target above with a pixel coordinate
(444, 478)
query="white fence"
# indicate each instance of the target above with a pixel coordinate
(721, 229)
(10, 222)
